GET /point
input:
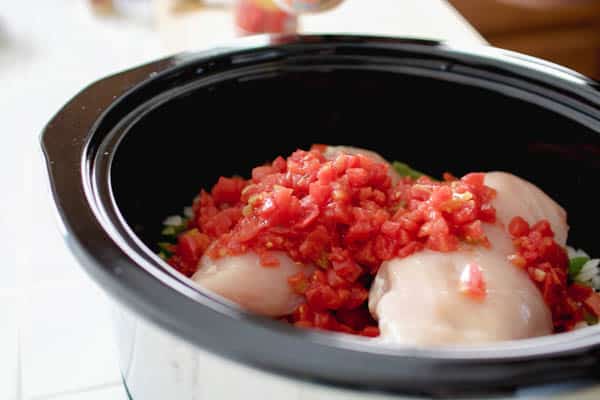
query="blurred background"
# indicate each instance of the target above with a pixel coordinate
(55, 330)
(565, 32)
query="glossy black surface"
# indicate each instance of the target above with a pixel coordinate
(202, 116)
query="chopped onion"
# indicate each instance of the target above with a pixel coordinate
(173, 220)
(572, 252)
(589, 271)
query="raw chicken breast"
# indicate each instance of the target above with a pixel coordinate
(418, 301)
(333, 151)
(516, 196)
(243, 280)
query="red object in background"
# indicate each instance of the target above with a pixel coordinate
(263, 16)
(102, 6)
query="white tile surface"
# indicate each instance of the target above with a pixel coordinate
(9, 268)
(110, 393)
(67, 340)
(9, 327)
(52, 259)
(12, 227)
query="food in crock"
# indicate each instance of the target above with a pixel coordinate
(337, 238)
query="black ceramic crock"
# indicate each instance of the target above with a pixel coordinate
(137, 146)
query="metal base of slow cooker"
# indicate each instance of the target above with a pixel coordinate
(156, 365)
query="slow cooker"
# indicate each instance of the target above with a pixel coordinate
(134, 147)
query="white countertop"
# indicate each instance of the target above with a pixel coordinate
(55, 334)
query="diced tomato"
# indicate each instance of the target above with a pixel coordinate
(385, 247)
(472, 283)
(315, 244)
(323, 320)
(421, 192)
(248, 229)
(370, 331)
(409, 249)
(390, 228)
(322, 297)
(222, 222)
(487, 213)
(592, 303)
(448, 177)
(335, 281)
(298, 282)
(357, 177)
(365, 255)
(282, 197)
(441, 196)
(319, 277)
(344, 294)
(517, 260)
(357, 319)
(279, 164)
(191, 245)
(310, 213)
(579, 292)
(304, 324)
(547, 264)
(473, 233)
(321, 148)
(261, 172)
(518, 227)
(543, 227)
(466, 214)
(347, 269)
(474, 179)
(326, 174)
(228, 190)
(303, 313)
(184, 268)
(358, 295)
(442, 242)
(319, 193)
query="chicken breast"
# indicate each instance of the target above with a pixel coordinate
(418, 300)
(243, 280)
(516, 196)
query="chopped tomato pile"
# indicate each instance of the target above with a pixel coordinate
(547, 264)
(344, 216)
